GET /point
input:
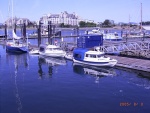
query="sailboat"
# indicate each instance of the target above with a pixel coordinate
(15, 45)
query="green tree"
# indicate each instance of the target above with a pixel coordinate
(82, 24)
(106, 23)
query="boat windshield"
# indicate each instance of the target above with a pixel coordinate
(98, 56)
(56, 49)
(93, 56)
(116, 34)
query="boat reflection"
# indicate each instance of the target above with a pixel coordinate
(17, 61)
(98, 72)
(51, 62)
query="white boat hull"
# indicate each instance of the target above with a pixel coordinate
(53, 54)
(109, 63)
(69, 56)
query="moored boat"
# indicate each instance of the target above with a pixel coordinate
(51, 50)
(93, 58)
(15, 46)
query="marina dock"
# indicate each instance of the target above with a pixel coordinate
(132, 63)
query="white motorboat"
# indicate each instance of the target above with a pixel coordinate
(51, 50)
(95, 31)
(112, 37)
(106, 36)
(93, 58)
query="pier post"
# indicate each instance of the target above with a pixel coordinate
(121, 33)
(39, 34)
(15, 28)
(5, 32)
(54, 29)
(24, 32)
(49, 32)
(77, 31)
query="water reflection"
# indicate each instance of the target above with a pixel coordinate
(140, 78)
(98, 72)
(17, 60)
(51, 62)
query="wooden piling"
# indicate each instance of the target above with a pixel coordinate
(15, 28)
(24, 32)
(5, 32)
(39, 34)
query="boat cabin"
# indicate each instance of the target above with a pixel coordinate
(49, 47)
(81, 54)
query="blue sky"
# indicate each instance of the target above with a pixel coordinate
(97, 10)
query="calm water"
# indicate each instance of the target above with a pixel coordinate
(34, 84)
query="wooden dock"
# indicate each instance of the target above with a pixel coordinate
(132, 63)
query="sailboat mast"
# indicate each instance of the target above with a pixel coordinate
(12, 18)
(12, 12)
(141, 17)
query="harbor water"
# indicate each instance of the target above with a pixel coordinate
(37, 84)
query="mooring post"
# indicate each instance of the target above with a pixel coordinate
(15, 28)
(5, 32)
(77, 31)
(24, 32)
(49, 32)
(54, 29)
(39, 34)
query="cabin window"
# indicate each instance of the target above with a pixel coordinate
(56, 49)
(98, 56)
(93, 56)
(41, 49)
(116, 34)
(90, 56)
(87, 55)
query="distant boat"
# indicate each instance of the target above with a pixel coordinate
(106, 36)
(51, 50)
(112, 37)
(92, 58)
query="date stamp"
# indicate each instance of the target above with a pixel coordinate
(135, 104)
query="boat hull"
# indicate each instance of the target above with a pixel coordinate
(14, 49)
(53, 54)
(110, 63)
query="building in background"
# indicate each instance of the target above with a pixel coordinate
(62, 18)
(18, 21)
